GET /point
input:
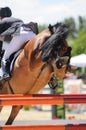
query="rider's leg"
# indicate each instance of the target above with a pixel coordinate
(16, 43)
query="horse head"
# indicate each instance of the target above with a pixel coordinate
(56, 45)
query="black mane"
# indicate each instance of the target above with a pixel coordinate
(59, 32)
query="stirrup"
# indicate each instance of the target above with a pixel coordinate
(6, 70)
(5, 77)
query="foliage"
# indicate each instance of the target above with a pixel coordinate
(60, 108)
(27, 108)
(73, 27)
(77, 37)
(82, 22)
(79, 44)
(42, 27)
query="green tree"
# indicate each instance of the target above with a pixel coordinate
(73, 28)
(79, 44)
(82, 22)
(42, 27)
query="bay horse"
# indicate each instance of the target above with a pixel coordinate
(40, 58)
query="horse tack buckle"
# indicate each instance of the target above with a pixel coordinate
(53, 83)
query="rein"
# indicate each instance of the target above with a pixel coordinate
(10, 87)
(43, 67)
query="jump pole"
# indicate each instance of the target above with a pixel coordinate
(42, 99)
(45, 127)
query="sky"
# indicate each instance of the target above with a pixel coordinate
(45, 11)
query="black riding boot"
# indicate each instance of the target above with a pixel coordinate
(6, 70)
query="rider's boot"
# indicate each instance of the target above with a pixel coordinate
(5, 65)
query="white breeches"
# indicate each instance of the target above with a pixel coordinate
(17, 42)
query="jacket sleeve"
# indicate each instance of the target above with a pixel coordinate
(10, 26)
(13, 29)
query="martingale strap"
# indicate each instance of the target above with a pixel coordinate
(10, 87)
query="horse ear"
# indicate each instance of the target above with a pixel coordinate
(50, 28)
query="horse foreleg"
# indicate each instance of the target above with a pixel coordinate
(15, 110)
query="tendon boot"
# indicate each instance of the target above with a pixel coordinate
(5, 65)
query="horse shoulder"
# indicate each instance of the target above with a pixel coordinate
(20, 60)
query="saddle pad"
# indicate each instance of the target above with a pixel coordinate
(13, 60)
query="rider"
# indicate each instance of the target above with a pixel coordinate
(17, 30)
(4, 12)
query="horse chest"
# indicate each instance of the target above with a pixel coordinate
(41, 80)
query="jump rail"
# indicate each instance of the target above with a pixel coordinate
(42, 99)
(45, 127)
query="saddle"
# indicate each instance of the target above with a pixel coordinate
(32, 25)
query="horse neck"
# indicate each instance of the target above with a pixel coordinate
(34, 60)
